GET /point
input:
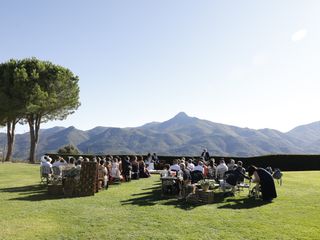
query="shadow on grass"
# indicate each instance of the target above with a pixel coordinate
(154, 196)
(243, 203)
(31, 193)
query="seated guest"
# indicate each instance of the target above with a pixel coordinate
(175, 166)
(205, 170)
(45, 161)
(103, 174)
(59, 162)
(242, 170)
(232, 165)
(265, 180)
(187, 186)
(233, 177)
(45, 169)
(135, 168)
(165, 172)
(143, 171)
(199, 167)
(148, 160)
(108, 165)
(221, 169)
(190, 165)
(212, 169)
(115, 174)
(78, 164)
(126, 168)
(72, 162)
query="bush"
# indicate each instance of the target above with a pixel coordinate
(69, 149)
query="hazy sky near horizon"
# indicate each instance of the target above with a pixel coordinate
(250, 64)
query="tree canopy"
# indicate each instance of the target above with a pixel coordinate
(37, 91)
(69, 149)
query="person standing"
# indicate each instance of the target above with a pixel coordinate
(205, 154)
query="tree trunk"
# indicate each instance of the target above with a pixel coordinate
(10, 138)
(34, 126)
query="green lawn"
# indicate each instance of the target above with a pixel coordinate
(136, 210)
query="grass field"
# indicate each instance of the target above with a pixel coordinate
(136, 210)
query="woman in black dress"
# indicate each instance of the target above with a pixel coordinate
(265, 180)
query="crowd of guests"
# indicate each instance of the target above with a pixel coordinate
(116, 169)
(190, 171)
(204, 169)
(112, 169)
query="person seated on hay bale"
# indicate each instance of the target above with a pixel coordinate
(265, 180)
(186, 187)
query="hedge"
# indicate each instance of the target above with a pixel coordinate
(282, 161)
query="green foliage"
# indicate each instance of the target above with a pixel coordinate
(69, 149)
(50, 90)
(136, 210)
(37, 91)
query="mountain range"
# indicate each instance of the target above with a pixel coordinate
(180, 135)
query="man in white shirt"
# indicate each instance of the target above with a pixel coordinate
(59, 162)
(175, 166)
(199, 167)
(45, 161)
(190, 165)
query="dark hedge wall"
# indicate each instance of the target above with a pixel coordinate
(284, 162)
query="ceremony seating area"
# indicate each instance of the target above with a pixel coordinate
(141, 201)
(194, 180)
(85, 176)
(197, 180)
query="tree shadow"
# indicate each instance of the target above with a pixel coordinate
(31, 193)
(243, 203)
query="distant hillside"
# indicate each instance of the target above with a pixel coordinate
(180, 135)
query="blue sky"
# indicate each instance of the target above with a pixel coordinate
(246, 63)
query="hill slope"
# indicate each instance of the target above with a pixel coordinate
(180, 135)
